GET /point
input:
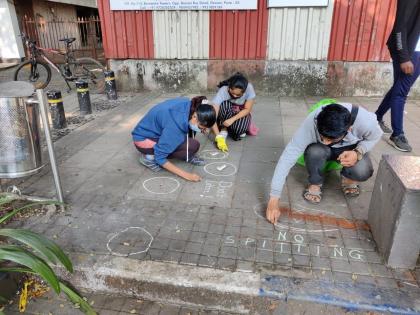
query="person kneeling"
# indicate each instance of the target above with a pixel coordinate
(164, 132)
(343, 133)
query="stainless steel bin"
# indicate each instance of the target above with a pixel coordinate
(20, 147)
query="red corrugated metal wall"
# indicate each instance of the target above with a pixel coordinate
(126, 34)
(240, 34)
(360, 29)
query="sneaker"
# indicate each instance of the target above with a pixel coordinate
(195, 160)
(242, 135)
(150, 164)
(384, 127)
(400, 143)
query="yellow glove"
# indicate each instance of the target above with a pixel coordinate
(221, 143)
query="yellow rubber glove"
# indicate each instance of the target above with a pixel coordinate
(221, 143)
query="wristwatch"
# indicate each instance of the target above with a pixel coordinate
(359, 154)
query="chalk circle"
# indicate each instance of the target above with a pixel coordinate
(161, 185)
(211, 169)
(259, 210)
(213, 155)
(130, 241)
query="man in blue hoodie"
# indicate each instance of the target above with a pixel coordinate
(164, 133)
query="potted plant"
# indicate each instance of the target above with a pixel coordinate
(32, 253)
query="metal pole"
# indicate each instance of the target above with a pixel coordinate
(58, 115)
(44, 117)
(110, 87)
(83, 97)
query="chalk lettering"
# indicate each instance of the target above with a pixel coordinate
(229, 240)
(298, 238)
(339, 251)
(249, 240)
(356, 254)
(282, 236)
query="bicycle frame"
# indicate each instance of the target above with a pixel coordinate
(36, 51)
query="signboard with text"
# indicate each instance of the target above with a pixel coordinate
(183, 5)
(297, 3)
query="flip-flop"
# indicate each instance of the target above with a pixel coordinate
(350, 190)
(306, 193)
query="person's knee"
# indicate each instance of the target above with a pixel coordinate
(360, 172)
(316, 151)
(194, 146)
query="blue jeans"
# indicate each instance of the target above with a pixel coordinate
(397, 95)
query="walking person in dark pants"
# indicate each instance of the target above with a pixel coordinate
(404, 46)
(335, 132)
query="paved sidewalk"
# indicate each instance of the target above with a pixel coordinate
(51, 304)
(119, 208)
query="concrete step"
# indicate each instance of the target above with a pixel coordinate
(236, 292)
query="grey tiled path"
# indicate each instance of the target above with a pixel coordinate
(118, 207)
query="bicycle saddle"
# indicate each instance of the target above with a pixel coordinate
(67, 40)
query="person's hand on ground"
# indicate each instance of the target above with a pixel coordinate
(273, 210)
(407, 67)
(221, 143)
(192, 177)
(228, 122)
(348, 158)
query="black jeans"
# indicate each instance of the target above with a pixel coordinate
(316, 154)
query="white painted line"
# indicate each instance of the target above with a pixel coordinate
(129, 254)
(159, 178)
(295, 229)
(217, 163)
(213, 155)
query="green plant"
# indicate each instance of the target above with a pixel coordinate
(33, 254)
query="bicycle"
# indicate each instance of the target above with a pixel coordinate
(37, 70)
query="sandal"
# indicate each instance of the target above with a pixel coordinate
(306, 194)
(350, 190)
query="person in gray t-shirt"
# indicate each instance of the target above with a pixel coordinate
(233, 103)
(335, 132)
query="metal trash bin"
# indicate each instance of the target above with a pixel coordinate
(20, 145)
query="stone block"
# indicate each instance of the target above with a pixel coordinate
(394, 211)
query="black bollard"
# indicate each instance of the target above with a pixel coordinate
(110, 86)
(58, 115)
(83, 97)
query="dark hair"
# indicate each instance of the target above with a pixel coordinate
(333, 121)
(206, 113)
(237, 81)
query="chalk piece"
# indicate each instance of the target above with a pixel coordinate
(214, 153)
(221, 167)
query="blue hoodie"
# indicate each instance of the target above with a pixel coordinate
(168, 122)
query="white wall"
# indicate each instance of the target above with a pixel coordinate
(10, 44)
(299, 33)
(181, 34)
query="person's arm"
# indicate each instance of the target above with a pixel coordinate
(400, 34)
(169, 166)
(167, 144)
(214, 128)
(368, 129)
(247, 109)
(304, 136)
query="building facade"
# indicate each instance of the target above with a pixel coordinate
(337, 48)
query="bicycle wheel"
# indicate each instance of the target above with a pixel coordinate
(92, 71)
(39, 77)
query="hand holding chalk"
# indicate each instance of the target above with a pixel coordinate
(192, 177)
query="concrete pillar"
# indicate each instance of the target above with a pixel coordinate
(394, 211)
(11, 47)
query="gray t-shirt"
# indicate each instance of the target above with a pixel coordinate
(365, 132)
(223, 95)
